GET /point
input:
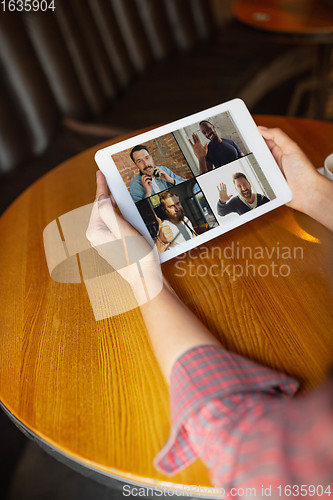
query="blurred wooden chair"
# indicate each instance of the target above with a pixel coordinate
(93, 69)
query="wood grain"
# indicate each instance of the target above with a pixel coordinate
(93, 389)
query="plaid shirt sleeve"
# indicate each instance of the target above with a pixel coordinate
(237, 417)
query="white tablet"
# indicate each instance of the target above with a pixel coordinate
(189, 181)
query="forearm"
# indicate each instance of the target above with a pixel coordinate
(320, 206)
(203, 165)
(312, 193)
(173, 329)
(221, 208)
(177, 179)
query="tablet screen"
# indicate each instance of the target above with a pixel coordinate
(193, 182)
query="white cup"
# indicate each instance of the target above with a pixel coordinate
(328, 167)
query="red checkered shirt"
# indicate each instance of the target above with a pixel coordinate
(238, 417)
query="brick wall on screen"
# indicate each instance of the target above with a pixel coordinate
(164, 150)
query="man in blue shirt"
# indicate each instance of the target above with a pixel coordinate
(151, 179)
(216, 152)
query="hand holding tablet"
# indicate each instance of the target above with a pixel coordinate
(189, 181)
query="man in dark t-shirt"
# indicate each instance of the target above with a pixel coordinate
(245, 201)
(220, 153)
(217, 151)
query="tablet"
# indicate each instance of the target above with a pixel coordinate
(187, 182)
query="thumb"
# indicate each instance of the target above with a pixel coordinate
(108, 215)
(103, 197)
(160, 224)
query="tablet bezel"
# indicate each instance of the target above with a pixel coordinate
(250, 134)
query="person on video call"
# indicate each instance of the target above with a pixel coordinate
(239, 417)
(245, 201)
(151, 179)
(216, 152)
(176, 227)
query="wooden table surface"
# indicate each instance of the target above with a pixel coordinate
(93, 390)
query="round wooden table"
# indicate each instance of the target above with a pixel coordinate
(91, 391)
(303, 21)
